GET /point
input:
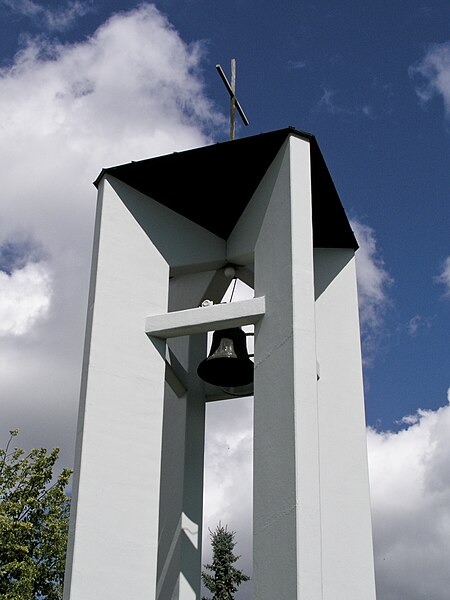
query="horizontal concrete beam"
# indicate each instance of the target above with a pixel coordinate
(200, 320)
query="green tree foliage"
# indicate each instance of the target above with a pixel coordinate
(34, 514)
(225, 578)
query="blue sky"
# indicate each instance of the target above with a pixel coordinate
(348, 73)
(352, 74)
(370, 80)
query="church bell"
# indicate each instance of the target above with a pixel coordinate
(228, 364)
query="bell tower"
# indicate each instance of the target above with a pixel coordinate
(167, 231)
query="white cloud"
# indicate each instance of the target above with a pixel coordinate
(328, 103)
(410, 489)
(131, 90)
(228, 486)
(434, 70)
(373, 283)
(57, 19)
(296, 64)
(444, 276)
(410, 493)
(413, 325)
(25, 298)
(229, 443)
(417, 323)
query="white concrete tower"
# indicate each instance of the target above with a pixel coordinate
(166, 229)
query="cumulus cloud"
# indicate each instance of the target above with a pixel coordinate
(410, 493)
(58, 19)
(228, 486)
(410, 490)
(131, 90)
(433, 71)
(373, 284)
(444, 277)
(25, 298)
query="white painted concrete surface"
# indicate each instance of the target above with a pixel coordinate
(203, 319)
(287, 541)
(137, 506)
(114, 531)
(348, 570)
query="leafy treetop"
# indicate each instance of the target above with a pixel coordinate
(34, 516)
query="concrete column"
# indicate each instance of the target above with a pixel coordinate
(114, 523)
(287, 527)
(192, 516)
(181, 513)
(181, 505)
(348, 569)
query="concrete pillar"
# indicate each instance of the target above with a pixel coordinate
(287, 521)
(113, 542)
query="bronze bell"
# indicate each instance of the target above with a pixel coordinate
(228, 364)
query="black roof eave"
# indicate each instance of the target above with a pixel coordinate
(198, 171)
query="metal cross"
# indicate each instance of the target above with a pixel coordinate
(234, 102)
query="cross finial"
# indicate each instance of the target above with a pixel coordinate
(234, 102)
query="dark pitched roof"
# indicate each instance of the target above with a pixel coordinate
(213, 184)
